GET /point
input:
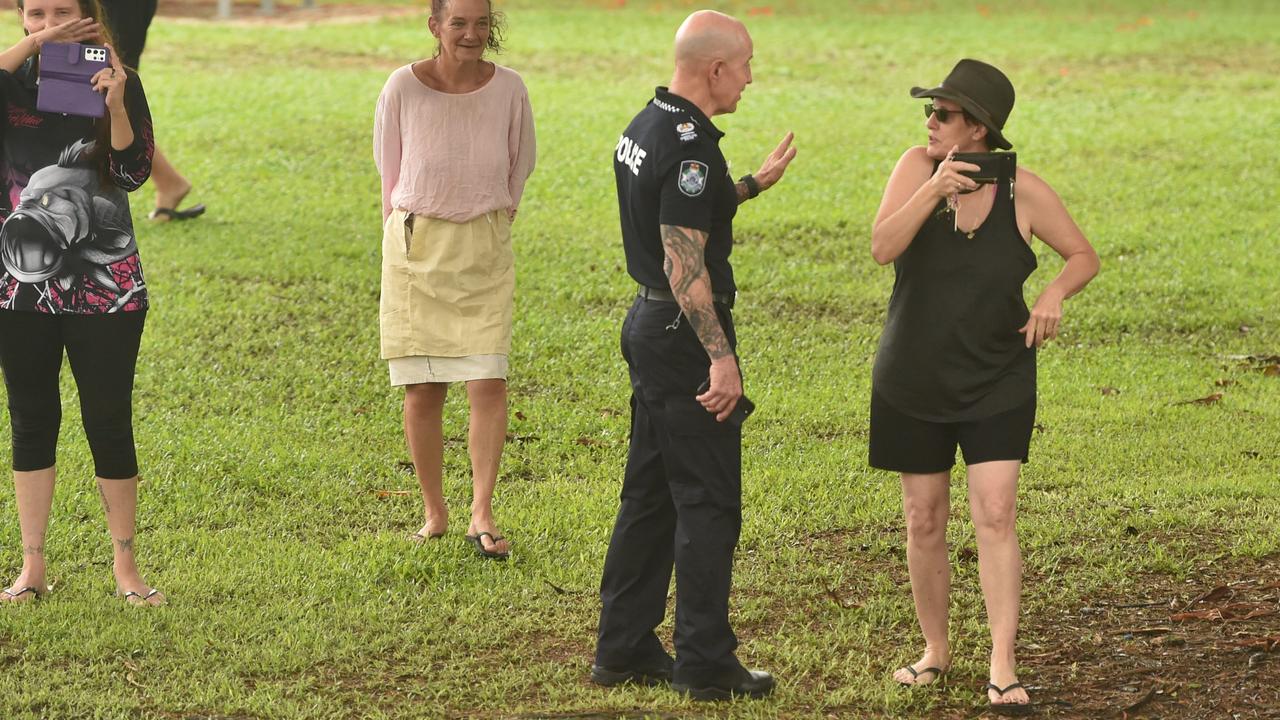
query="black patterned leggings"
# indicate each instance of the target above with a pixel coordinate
(103, 351)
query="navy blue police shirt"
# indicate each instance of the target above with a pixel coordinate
(670, 171)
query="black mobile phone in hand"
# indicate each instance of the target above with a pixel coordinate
(992, 167)
(741, 411)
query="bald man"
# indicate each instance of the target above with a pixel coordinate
(682, 493)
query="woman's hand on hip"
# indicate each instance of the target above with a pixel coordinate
(1045, 318)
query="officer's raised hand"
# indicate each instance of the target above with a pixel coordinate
(770, 172)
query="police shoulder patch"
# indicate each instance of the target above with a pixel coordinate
(693, 177)
(687, 131)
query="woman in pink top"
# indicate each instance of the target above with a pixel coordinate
(453, 141)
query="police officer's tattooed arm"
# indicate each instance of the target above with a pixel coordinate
(686, 270)
(770, 172)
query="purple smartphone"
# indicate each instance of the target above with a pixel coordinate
(66, 70)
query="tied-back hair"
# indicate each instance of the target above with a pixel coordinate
(497, 23)
(101, 154)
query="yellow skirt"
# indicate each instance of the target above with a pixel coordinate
(447, 288)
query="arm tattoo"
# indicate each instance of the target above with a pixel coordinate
(125, 545)
(743, 193)
(686, 269)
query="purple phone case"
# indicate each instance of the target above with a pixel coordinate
(66, 70)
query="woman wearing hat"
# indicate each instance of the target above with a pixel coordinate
(956, 363)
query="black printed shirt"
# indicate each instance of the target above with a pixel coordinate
(67, 243)
(670, 171)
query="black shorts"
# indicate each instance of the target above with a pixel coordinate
(905, 444)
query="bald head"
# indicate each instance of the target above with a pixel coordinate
(707, 36)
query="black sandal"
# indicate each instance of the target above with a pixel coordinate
(938, 674)
(194, 211)
(1010, 709)
(479, 543)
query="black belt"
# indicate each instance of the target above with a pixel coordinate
(661, 295)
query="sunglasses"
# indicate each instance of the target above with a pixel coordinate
(942, 114)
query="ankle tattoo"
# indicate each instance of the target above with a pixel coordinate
(125, 545)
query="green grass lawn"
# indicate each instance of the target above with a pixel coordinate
(268, 433)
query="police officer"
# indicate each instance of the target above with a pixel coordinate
(681, 494)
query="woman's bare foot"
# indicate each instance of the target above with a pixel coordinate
(131, 587)
(927, 670)
(434, 527)
(490, 539)
(168, 199)
(1013, 692)
(27, 587)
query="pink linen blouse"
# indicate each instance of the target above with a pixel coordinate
(453, 156)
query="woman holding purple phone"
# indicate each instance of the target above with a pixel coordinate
(957, 360)
(71, 281)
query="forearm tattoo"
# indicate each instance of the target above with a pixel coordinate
(686, 269)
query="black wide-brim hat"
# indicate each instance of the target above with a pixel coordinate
(980, 89)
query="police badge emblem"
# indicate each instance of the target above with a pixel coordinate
(693, 178)
(688, 132)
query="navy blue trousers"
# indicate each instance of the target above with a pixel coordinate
(681, 506)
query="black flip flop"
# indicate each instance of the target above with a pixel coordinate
(938, 673)
(479, 544)
(194, 211)
(1010, 709)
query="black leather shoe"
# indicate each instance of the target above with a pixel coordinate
(648, 676)
(755, 684)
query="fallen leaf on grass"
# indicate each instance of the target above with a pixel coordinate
(1144, 631)
(1224, 382)
(1218, 593)
(588, 442)
(1139, 702)
(1206, 400)
(405, 465)
(1271, 370)
(520, 416)
(1268, 644)
(835, 598)
(1237, 612)
(1109, 390)
(392, 493)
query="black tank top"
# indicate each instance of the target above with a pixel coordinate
(951, 350)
